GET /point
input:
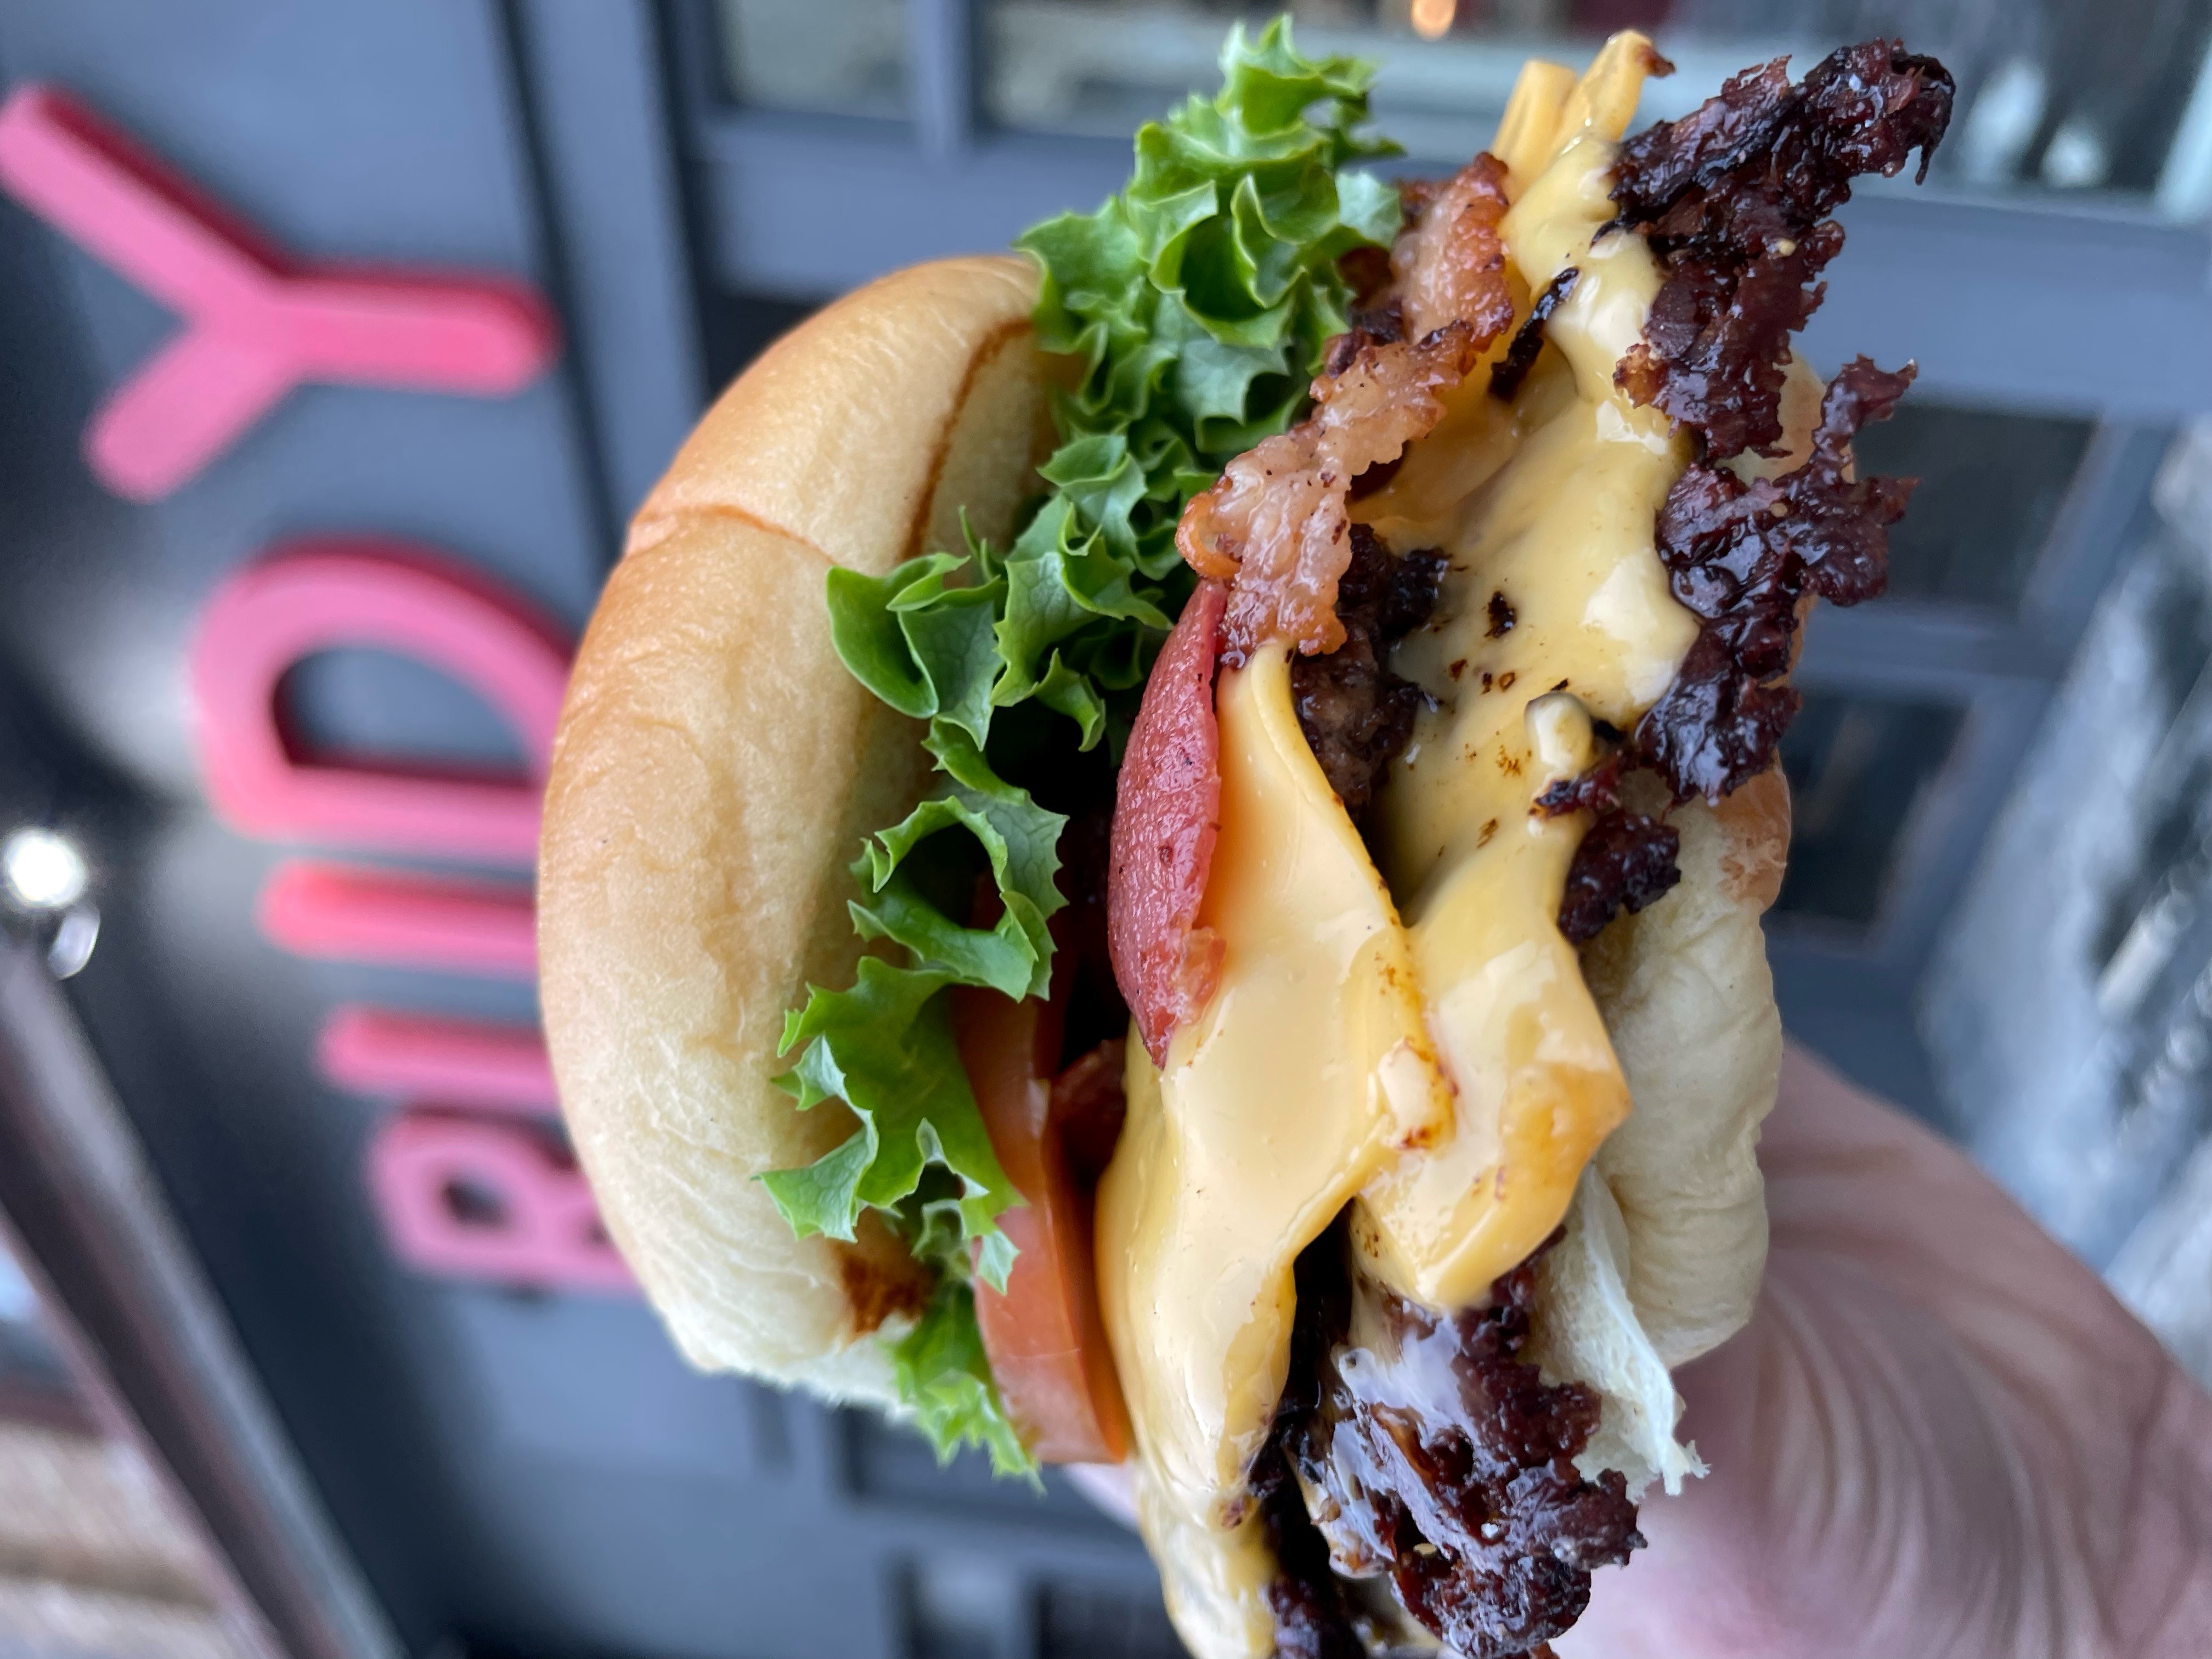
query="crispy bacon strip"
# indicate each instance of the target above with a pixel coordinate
(1275, 527)
(1733, 200)
(1743, 557)
(1448, 266)
(1167, 815)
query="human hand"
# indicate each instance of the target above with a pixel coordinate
(1940, 1438)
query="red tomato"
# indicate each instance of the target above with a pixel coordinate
(1047, 1343)
(1167, 815)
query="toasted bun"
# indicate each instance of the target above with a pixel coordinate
(715, 771)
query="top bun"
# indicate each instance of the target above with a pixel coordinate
(715, 770)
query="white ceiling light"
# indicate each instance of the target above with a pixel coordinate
(42, 870)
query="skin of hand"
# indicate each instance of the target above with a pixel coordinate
(1939, 1437)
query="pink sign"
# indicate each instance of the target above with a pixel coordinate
(343, 913)
(318, 595)
(489, 1200)
(458, 1194)
(257, 323)
(454, 1062)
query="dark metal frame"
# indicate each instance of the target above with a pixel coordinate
(591, 85)
(1854, 992)
(2113, 294)
(2002, 669)
(148, 1336)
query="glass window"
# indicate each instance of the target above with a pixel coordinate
(822, 56)
(1856, 765)
(1104, 66)
(1990, 487)
(2059, 96)
(1082, 1622)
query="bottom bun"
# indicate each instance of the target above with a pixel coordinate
(1667, 1236)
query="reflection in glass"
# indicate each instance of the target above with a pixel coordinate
(2055, 95)
(821, 57)
(1103, 66)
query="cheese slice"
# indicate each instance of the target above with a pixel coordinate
(1555, 593)
(1448, 1071)
(1310, 1067)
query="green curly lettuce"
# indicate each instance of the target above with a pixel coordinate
(1199, 299)
(1197, 303)
(944, 1378)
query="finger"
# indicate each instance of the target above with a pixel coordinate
(1861, 1497)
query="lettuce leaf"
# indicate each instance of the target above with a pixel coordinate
(945, 1379)
(1198, 299)
(885, 1049)
(1196, 304)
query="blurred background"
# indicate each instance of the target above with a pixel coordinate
(308, 1343)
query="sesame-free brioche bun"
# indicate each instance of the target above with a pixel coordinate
(715, 769)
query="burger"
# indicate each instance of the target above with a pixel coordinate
(1301, 659)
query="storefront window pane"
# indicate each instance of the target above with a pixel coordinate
(1991, 484)
(1856, 765)
(821, 57)
(2057, 97)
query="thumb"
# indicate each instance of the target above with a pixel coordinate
(1889, 1457)
(1861, 1500)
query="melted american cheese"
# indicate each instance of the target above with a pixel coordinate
(1310, 1069)
(1447, 1071)
(1563, 537)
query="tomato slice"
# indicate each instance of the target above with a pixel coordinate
(1044, 1336)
